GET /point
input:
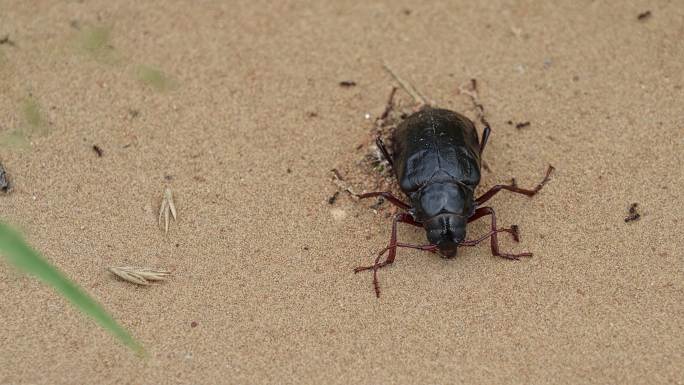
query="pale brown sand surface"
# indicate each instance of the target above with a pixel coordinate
(261, 263)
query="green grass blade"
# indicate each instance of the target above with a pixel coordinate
(21, 255)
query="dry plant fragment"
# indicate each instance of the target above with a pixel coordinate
(417, 97)
(139, 275)
(167, 207)
(341, 183)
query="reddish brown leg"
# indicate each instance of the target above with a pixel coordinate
(392, 248)
(387, 195)
(474, 242)
(512, 187)
(482, 211)
(430, 248)
(434, 248)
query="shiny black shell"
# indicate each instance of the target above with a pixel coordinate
(435, 146)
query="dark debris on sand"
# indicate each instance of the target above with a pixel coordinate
(633, 214)
(4, 181)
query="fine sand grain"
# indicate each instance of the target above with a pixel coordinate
(237, 107)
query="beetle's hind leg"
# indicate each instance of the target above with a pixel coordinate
(482, 211)
(392, 248)
(387, 195)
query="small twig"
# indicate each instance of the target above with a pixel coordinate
(390, 104)
(474, 97)
(139, 275)
(417, 97)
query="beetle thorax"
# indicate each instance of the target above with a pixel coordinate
(442, 198)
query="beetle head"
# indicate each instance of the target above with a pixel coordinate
(444, 208)
(446, 231)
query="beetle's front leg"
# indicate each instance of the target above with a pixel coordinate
(392, 248)
(482, 211)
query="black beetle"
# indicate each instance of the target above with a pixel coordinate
(436, 157)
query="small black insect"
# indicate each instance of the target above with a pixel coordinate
(436, 157)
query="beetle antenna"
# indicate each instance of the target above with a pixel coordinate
(417, 97)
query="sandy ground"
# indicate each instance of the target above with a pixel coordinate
(219, 100)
